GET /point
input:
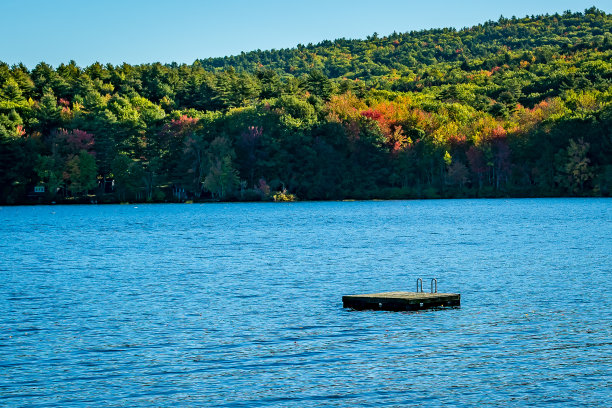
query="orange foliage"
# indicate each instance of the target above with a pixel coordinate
(496, 133)
(528, 118)
(457, 139)
(20, 131)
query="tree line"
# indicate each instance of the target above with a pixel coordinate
(512, 108)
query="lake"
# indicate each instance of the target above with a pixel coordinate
(239, 305)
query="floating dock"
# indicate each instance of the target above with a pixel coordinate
(401, 301)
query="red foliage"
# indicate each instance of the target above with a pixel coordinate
(252, 134)
(502, 155)
(476, 160)
(263, 187)
(372, 114)
(177, 132)
(183, 123)
(76, 140)
(385, 115)
(248, 144)
(382, 115)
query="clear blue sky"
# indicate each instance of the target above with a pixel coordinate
(140, 31)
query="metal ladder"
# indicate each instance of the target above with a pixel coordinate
(434, 285)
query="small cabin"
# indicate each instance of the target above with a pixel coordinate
(37, 193)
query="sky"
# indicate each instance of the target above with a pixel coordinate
(145, 31)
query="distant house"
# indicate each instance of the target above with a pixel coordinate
(37, 193)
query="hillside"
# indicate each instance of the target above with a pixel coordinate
(483, 47)
(516, 107)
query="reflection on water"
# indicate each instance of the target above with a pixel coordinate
(240, 304)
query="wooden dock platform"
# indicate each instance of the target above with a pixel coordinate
(401, 301)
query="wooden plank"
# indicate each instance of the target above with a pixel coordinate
(401, 301)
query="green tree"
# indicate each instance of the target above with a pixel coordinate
(222, 177)
(575, 172)
(81, 172)
(128, 176)
(50, 172)
(48, 113)
(318, 84)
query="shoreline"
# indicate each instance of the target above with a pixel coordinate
(347, 200)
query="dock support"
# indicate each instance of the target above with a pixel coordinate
(401, 301)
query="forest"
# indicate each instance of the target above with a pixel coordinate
(518, 107)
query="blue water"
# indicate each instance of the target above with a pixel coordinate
(240, 304)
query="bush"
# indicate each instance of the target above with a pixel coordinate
(282, 196)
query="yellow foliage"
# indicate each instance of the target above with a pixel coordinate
(283, 196)
(345, 107)
(445, 132)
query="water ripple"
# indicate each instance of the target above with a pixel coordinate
(239, 304)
